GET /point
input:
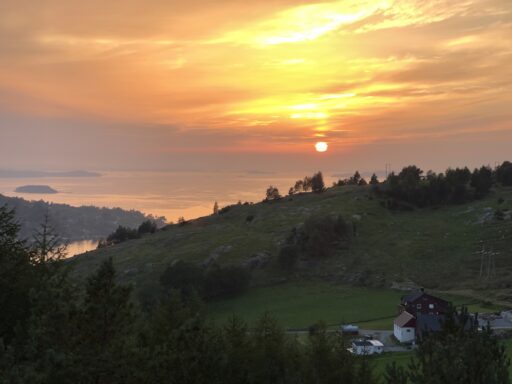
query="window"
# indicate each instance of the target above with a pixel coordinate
(408, 330)
(418, 306)
(431, 306)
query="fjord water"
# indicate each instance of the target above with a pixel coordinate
(169, 194)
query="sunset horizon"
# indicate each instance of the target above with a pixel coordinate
(222, 85)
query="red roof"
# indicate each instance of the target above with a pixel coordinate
(405, 320)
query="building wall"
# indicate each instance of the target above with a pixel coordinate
(367, 350)
(405, 334)
(427, 304)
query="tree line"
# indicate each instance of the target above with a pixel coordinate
(412, 187)
(122, 233)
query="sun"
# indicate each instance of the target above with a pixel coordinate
(321, 146)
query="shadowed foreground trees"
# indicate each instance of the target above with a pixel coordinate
(459, 354)
(96, 334)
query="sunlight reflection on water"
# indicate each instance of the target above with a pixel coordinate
(79, 247)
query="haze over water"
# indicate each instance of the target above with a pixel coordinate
(169, 194)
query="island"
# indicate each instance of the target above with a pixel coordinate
(40, 189)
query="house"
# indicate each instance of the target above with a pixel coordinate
(419, 312)
(366, 347)
(404, 328)
(421, 302)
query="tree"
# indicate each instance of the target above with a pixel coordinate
(504, 173)
(481, 180)
(47, 247)
(225, 281)
(147, 226)
(272, 193)
(299, 186)
(184, 277)
(16, 277)
(216, 208)
(374, 180)
(122, 234)
(480, 357)
(317, 182)
(238, 350)
(307, 184)
(320, 236)
(354, 180)
(288, 257)
(103, 328)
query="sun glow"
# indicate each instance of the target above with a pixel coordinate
(321, 146)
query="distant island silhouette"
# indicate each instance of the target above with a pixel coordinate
(42, 189)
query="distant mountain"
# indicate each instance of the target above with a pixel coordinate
(40, 189)
(14, 174)
(73, 223)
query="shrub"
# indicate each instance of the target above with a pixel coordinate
(288, 257)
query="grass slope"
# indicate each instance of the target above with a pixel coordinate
(437, 248)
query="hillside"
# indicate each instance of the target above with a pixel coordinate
(436, 248)
(72, 223)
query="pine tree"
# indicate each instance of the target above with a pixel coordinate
(104, 328)
(16, 277)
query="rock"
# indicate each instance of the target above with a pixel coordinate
(131, 271)
(214, 255)
(405, 285)
(258, 260)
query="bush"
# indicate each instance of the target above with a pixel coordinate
(210, 283)
(225, 282)
(288, 257)
(319, 237)
(122, 234)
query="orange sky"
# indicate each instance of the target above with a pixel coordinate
(95, 84)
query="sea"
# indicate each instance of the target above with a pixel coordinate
(172, 194)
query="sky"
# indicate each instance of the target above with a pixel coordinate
(235, 85)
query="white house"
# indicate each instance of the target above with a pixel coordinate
(366, 347)
(405, 327)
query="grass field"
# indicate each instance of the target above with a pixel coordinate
(298, 305)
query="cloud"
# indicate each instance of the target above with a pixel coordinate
(231, 77)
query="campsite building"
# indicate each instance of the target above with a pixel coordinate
(366, 347)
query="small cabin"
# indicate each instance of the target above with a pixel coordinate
(404, 328)
(366, 347)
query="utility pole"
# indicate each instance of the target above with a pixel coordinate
(388, 169)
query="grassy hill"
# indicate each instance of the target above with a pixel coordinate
(437, 248)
